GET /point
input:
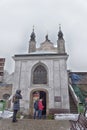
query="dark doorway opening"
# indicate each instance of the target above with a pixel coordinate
(43, 96)
(40, 95)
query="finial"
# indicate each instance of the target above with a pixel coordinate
(47, 38)
(33, 28)
(32, 35)
(60, 34)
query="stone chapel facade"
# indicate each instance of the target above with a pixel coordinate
(42, 73)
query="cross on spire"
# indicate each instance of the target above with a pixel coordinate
(33, 28)
(59, 27)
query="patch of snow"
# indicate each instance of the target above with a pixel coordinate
(6, 114)
(21, 117)
(66, 116)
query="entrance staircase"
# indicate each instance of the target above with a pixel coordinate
(73, 107)
(73, 100)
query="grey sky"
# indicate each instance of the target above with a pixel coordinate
(18, 16)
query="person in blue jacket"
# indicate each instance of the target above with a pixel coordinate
(36, 109)
(16, 104)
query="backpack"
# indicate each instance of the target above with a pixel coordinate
(36, 105)
(14, 99)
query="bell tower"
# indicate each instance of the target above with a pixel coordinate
(32, 42)
(60, 42)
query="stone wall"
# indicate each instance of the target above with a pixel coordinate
(5, 93)
(7, 89)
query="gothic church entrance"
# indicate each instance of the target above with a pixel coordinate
(37, 94)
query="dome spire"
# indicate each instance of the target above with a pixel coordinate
(32, 36)
(32, 42)
(46, 37)
(60, 42)
(60, 34)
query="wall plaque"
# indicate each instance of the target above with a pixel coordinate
(57, 99)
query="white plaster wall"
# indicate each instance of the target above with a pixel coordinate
(64, 85)
(49, 86)
(16, 76)
(57, 85)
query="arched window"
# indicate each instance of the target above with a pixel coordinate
(40, 75)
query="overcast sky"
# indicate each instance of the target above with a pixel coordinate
(17, 18)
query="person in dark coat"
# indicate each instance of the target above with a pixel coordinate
(36, 109)
(16, 104)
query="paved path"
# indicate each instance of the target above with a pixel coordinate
(31, 124)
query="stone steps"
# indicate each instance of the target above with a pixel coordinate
(73, 107)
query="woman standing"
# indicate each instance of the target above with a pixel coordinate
(16, 104)
(40, 107)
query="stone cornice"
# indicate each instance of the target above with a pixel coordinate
(40, 56)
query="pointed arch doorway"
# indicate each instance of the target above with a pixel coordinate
(37, 94)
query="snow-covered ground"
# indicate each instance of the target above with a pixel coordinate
(66, 116)
(6, 114)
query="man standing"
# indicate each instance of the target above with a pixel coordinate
(16, 104)
(36, 109)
